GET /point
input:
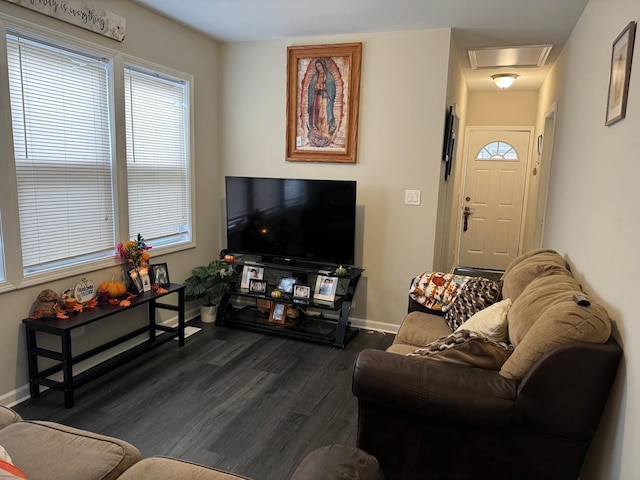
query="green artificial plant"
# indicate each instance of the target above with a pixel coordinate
(210, 282)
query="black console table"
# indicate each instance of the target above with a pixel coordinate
(241, 308)
(63, 328)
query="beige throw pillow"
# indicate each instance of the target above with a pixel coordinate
(490, 322)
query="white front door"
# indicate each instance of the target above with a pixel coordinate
(493, 197)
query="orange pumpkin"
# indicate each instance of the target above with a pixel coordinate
(113, 289)
(229, 258)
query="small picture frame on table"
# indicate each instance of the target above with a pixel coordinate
(301, 292)
(160, 274)
(250, 272)
(136, 281)
(278, 313)
(257, 286)
(285, 284)
(326, 288)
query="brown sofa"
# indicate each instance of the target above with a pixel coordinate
(51, 451)
(531, 417)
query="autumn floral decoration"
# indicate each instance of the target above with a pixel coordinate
(136, 252)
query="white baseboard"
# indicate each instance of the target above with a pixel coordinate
(375, 326)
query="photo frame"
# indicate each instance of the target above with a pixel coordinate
(136, 281)
(301, 292)
(160, 274)
(620, 74)
(251, 272)
(257, 286)
(325, 288)
(278, 313)
(323, 95)
(285, 284)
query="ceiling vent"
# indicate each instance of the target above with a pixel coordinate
(494, 57)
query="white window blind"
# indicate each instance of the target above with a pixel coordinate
(157, 156)
(62, 144)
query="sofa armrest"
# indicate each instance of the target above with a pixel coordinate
(565, 392)
(8, 416)
(429, 388)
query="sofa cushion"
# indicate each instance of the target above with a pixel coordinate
(537, 297)
(161, 468)
(58, 449)
(529, 266)
(490, 322)
(466, 348)
(562, 323)
(436, 290)
(477, 294)
(418, 329)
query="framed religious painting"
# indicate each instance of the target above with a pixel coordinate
(323, 90)
(620, 74)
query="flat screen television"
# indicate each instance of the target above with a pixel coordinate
(292, 220)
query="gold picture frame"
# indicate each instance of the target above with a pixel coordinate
(323, 94)
(620, 74)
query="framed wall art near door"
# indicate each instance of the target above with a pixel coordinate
(323, 90)
(620, 74)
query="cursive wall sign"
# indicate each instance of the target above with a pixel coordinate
(79, 13)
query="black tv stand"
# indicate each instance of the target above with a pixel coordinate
(318, 321)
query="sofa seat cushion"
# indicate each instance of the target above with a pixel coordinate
(529, 266)
(467, 348)
(419, 329)
(46, 450)
(161, 468)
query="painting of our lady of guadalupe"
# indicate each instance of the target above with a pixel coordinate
(322, 126)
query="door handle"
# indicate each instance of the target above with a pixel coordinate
(465, 215)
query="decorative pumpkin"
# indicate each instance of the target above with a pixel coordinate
(276, 294)
(341, 271)
(229, 258)
(114, 289)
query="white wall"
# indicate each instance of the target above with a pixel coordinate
(502, 108)
(594, 205)
(402, 104)
(155, 39)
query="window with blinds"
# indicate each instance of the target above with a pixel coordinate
(158, 158)
(63, 152)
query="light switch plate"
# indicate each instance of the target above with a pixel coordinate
(412, 197)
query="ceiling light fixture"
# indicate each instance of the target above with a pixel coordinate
(504, 80)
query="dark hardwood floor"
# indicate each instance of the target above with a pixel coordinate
(243, 402)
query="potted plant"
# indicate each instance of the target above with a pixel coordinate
(209, 282)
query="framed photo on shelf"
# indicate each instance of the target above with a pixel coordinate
(326, 288)
(160, 274)
(136, 280)
(301, 292)
(278, 313)
(257, 286)
(620, 74)
(250, 272)
(323, 90)
(285, 284)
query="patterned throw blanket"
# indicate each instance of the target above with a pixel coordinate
(436, 290)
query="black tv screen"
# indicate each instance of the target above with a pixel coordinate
(292, 219)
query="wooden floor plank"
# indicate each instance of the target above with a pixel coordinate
(251, 404)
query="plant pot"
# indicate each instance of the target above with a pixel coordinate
(208, 313)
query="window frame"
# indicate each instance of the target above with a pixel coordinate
(14, 276)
